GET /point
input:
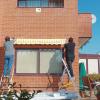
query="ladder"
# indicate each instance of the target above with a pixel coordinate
(6, 82)
(70, 78)
(65, 70)
(62, 77)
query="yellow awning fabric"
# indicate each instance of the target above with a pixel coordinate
(40, 41)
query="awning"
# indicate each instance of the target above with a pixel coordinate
(40, 41)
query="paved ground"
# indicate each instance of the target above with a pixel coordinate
(89, 98)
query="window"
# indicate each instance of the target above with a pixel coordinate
(41, 3)
(56, 3)
(39, 61)
(26, 61)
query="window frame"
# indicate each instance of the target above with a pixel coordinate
(40, 4)
(28, 47)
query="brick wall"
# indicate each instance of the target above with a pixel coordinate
(85, 25)
(49, 23)
(1, 60)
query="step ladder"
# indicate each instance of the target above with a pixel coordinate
(71, 80)
(69, 84)
(65, 70)
(6, 83)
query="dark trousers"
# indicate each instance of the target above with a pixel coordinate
(70, 68)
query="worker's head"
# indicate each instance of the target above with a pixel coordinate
(70, 39)
(7, 38)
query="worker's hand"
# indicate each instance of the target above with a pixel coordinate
(13, 39)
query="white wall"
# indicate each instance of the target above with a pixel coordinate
(92, 66)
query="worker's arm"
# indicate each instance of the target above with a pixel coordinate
(12, 39)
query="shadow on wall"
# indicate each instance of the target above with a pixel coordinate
(55, 69)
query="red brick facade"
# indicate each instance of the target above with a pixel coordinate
(50, 23)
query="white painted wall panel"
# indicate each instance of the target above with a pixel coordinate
(92, 66)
